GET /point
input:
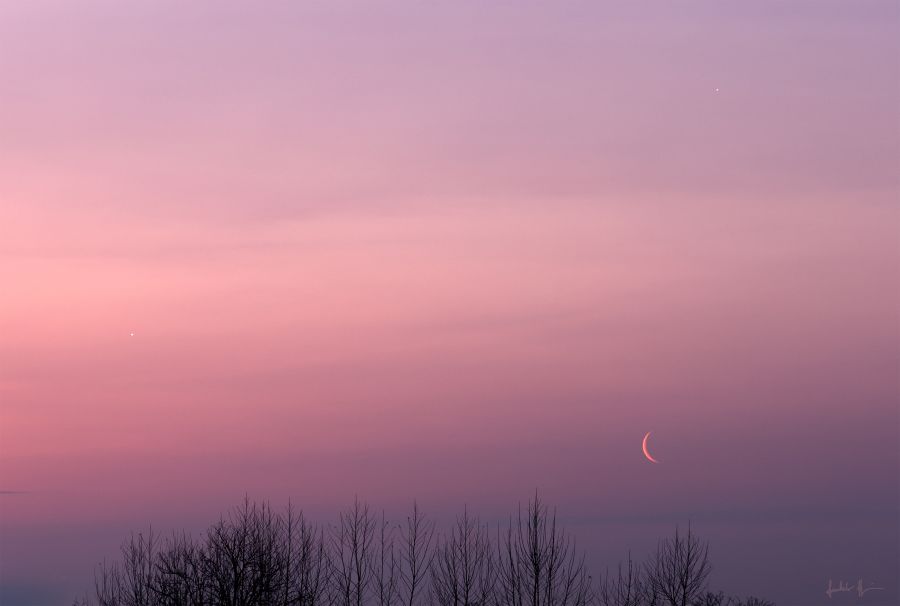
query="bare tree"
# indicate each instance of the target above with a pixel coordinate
(131, 582)
(623, 588)
(242, 564)
(257, 557)
(385, 567)
(180, 580)
(138, 571)
(108, 585)
(538, 562)
(306, 561)
(720, 599)
(463, 571)
(416, 555)
(251, 557)
(677, 573)
(713, 599)
(352, 556)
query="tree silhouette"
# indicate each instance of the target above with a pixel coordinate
(538, 563)
(624, 588)
(306, 561)
(386, 566)
(255, 556)
(416, 555)
(677, 575)
(463, 571)
(352, 558)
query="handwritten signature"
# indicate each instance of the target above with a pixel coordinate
(842, 586)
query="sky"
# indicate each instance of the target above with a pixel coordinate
(454, 252)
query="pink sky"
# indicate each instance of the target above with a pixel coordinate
(453, 253)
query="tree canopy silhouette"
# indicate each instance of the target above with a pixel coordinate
(256, 556)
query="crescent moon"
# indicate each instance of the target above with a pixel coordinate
(647, 452)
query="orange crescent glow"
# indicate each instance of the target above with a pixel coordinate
(647, 452)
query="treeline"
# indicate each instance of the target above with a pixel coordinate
(260, 557)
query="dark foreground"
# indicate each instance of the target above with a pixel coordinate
(259, 557)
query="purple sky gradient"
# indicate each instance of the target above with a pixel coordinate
(454, 252)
